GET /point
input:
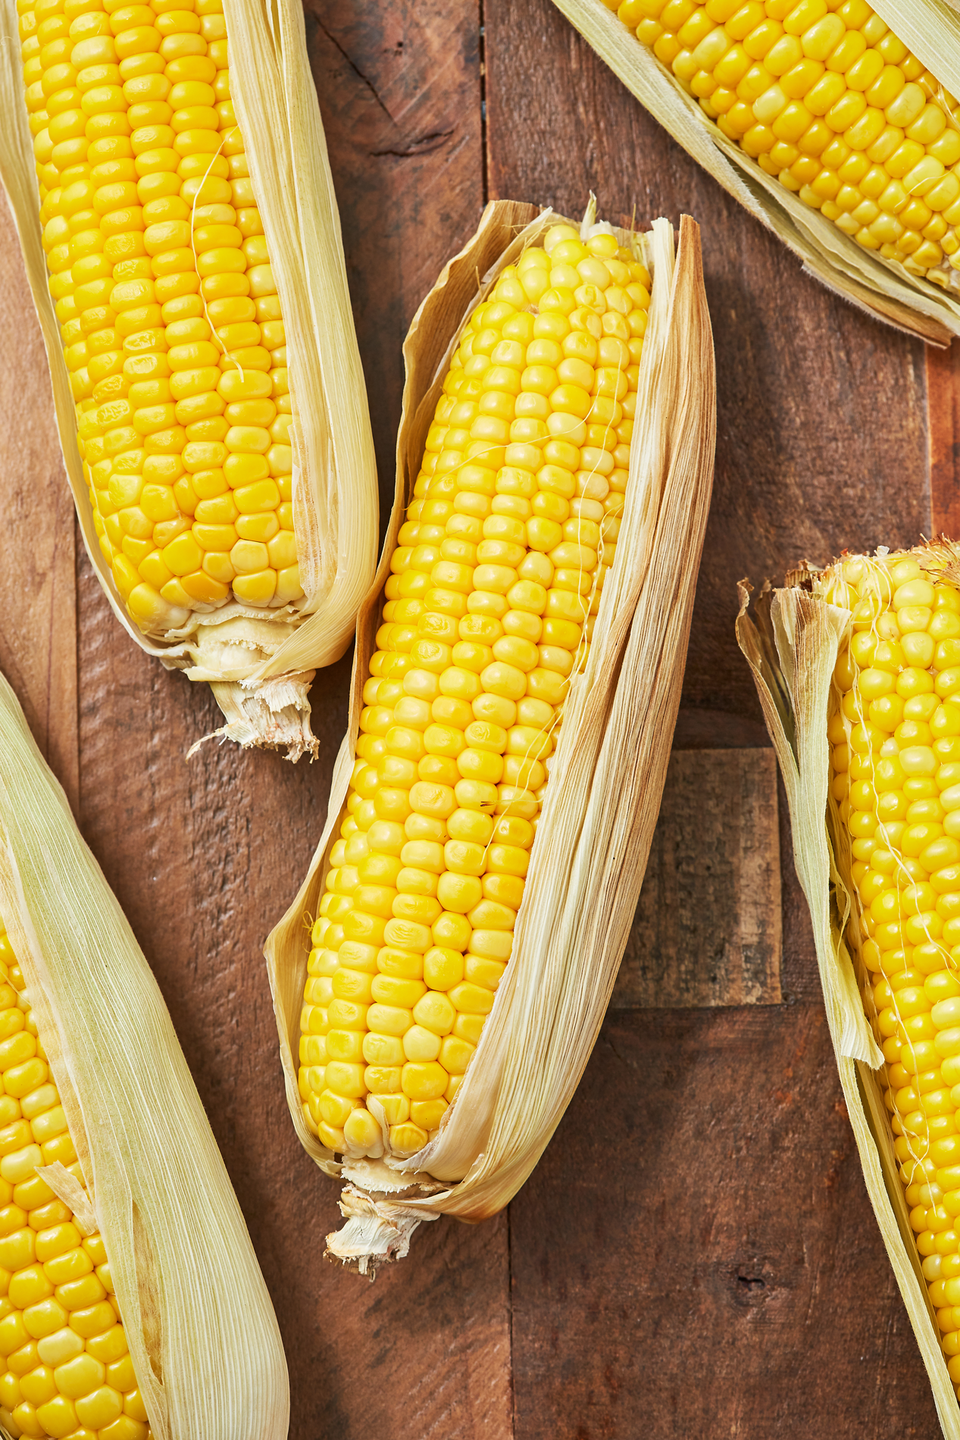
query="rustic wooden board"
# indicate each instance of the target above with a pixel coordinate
(38, 624)
(943, 408)
(822, 444)
(707, 927)
(716, 1131)
(400, 95)
(702, 1260)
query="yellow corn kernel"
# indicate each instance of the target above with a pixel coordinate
(800, 80)
(496, 570)
(59, 1331)
(898, 828)
(166, 287)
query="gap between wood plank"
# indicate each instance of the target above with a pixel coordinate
(38, 631)
(943, 429)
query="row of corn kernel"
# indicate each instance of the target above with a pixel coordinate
(168, 308)
(825, 97)
(66, 1370)
(498, 567)
(895, 757)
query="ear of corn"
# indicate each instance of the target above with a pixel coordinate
(556, 451)
(835, 131)
(132, 1303)
(858, 675)
(64, 1352)
(191, 286)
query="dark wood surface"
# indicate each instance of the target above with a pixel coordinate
(707, 930)
(695, 1255)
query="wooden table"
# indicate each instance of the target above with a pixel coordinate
(695, 1256)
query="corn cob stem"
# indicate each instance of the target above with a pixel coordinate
(824, 96)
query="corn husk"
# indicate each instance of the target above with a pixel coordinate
(931, 29)
(607, 774)
(199, 1323)
(791, 643)
(260, 662)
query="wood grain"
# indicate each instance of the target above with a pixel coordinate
(38, 618)
(707, 927)
(399, 88)
(943, 414)
(222, 841)
(696, 1255)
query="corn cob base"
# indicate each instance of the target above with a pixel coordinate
(65, 1370)
(894, 732)
(497, 575)
(824, 96)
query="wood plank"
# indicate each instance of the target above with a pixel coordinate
(205, 854)
(943, 423)
(399, 90)
(821, 441)
(202, 855)
(696, 1254)
(707, 927)
(705, 1151)
(38, 619)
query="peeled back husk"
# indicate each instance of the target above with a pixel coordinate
(792, 642)
(607, 774)
(202, 1334)
(931, 30)
(259, 662)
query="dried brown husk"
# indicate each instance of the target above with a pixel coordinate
(791, 641)
(259, 661)
(608, 771)
(931, 29)
(202, 1334)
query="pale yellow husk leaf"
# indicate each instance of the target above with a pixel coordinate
(931, 29)
(202, 1334)
(238, 649)
(608, 771)
(791, 643)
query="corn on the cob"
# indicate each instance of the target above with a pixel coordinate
(838, 133)
(169, 313)
(508, 539)
(894, 731)
(65, 1359)
(858, 671)
(205, 443)
(536, 609)
(824, 96)
(131, 1303)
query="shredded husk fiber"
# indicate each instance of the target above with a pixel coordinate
(608, 772)
(241, 650)
(791, 642)
(931, 29)
(198, 1319)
